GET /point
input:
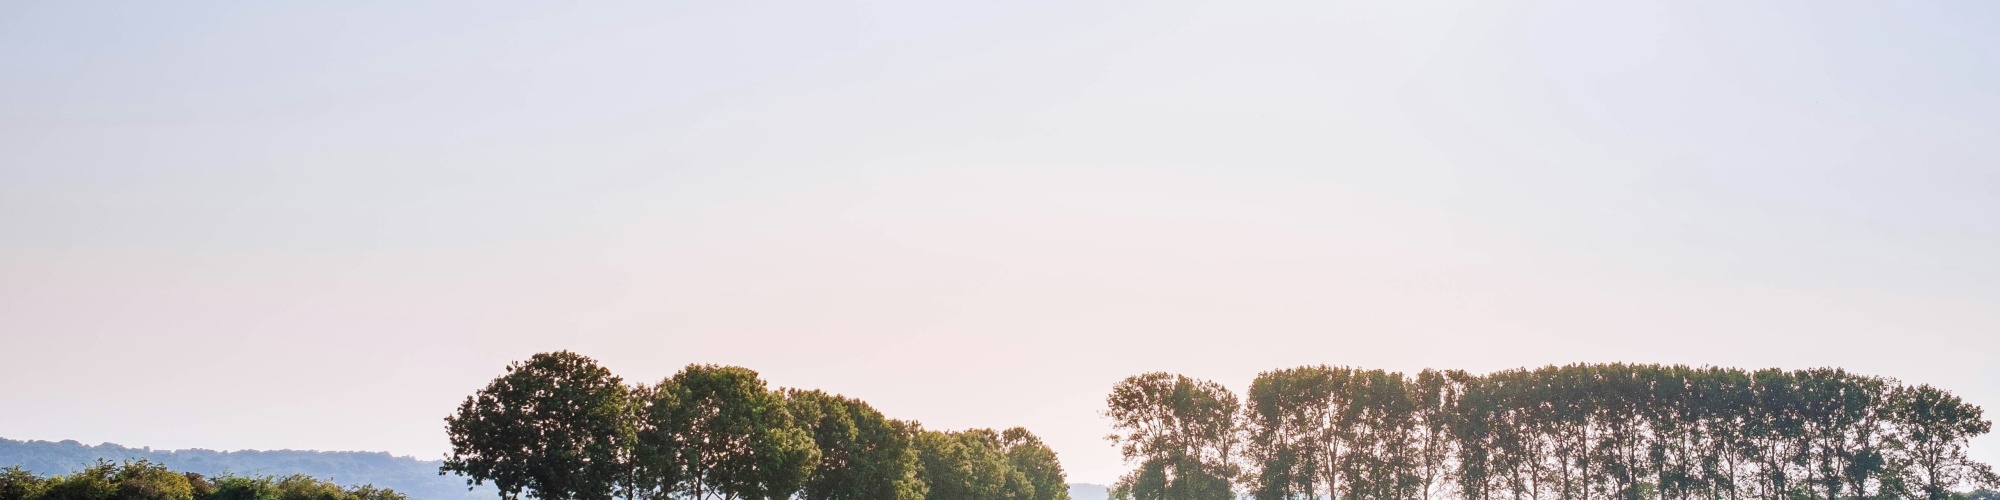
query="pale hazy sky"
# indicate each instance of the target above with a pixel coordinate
(320, 225)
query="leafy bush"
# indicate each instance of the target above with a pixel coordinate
(145, 480)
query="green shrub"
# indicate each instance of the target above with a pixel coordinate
(19, 484)
(92, 483)
(145, 480)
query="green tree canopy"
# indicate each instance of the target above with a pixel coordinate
(980, 464)
(1586, 431)
(1037, 463)
(862, 454)
(1181, 431)
(554, 428)
(718, 432)
(1933, 430)
(560, 427)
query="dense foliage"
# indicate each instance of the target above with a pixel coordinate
(417, 478)
(862, 453)
(1573, 432)
(561, 427)
(146, 480)
(556, 425)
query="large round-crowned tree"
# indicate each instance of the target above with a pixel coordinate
(553, 428)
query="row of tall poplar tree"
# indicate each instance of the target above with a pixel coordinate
(561, 427)
(1601, 431)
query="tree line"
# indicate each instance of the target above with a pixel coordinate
(406, 475)
(561, 427)
(146, 480)
(1587, 431)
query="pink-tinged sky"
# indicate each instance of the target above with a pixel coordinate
(287, 225)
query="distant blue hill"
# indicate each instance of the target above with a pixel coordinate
(1083, 491)
(417, 478)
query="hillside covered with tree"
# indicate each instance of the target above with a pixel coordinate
(1612, 431)
(417, 478)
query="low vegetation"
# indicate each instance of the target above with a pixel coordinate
(407, 475)
(145, 480)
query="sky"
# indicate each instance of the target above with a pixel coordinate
(320, 225)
